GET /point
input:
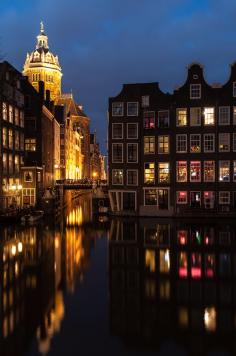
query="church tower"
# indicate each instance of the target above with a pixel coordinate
(42, 65)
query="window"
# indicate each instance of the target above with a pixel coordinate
(4, 162)
(234, 89)
(195, 116)
(209, 171)
(195, 143)
(163, 144)
(209, 116)
(132, 130)
(181, 143)
(195, 91)
(149, 119)
(181, 117)
(21, 118)
(4, 137)
(17, 140)
(117, 109)
(117, 131)
(17, 164)
(132, 177)
(163, 118)
(234, 115)
(117, 152)
(224, 115)
(22, 141)
(145, 101)
(132, 152)
(149, 144)
(30, 144)
(4, 111)
(10, 138)
(234, 171)
(17, 116)
(117, 177)
(132, 109)
(10, 163)
(150, 196)
(224, 198)
(10, 114)
(149, 172)
(128, 200)
(28, 176)
(224, 142)
(224, 171)
(181, 171)
(163, 172)
(182, 197)
(195, 171)
(209, 203)
(209, 142)
(234, 141)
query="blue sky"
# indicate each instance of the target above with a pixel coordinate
(102, 44)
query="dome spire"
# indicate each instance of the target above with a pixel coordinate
(42, 27)
(42, 39)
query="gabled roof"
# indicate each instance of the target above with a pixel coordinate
(72, 108)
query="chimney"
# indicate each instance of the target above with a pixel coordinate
(41, 89)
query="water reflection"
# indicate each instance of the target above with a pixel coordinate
(182, 282)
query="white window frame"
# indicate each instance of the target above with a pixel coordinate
(204, 166)
(158, 148)
(131, 170)
(128, 144)
(221, 202)
(204, 140)
(181, 202)
(190, 142)
(220, 117)
(158, 172)
(122, 104)
(149, 153)
(190, 116)
(226, 181)
(224, 134)
(145, 101)
(200, 91)
(186, 143)
(187, 170)
(118, 138)
(200, 176)
(132, 102)
(127, 130)
(181, 109)
(154, 172)
(118, 143)
(204, 122)
(117, 169)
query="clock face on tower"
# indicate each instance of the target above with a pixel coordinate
(43, 65)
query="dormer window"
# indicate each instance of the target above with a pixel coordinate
(195, 91)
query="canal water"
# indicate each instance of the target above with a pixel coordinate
(82, 285)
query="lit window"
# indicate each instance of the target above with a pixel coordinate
(165, 261)
(10, 163)
(181, 117)
(117, 131)
(195, 91)
(132, 177)
(150, 260)
(163, 144)
(209, 171)
(149, 119)
(181, 143)
(4, 162)
(209, 142)
(17, 164)
(195, 143)
(224, 198)
(163, 172)
(149, 144)
(117, 109)
(4, 111)
(28, 176)
(132, 152)
(195, 171)
(117, 152)
(234, 115)
(234, 89)
(224, 171)
(182, 235)
(4, 137)
(117, 177)
(149, 172)
(132, 130)
(195, 116)
(209, 116)
(145, 101)
(10, 114)
(196, 262)
(30, 144)
(224, 142)
(181, 171)
(150, 196)
(163, 118)
(224, 115)
(16, 116)
(182, 197)
(183, 265)
(234, 141)
(10, 138)
(132, 109)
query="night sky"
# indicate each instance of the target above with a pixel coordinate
(102, 44)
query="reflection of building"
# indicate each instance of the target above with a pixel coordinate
(173, 280)
(162, 147)
(12, 136)
(42, 65)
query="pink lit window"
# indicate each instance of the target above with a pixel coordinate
(182, 197)
(182, 236)
(149, 119)
(183, 265)
(209, 265)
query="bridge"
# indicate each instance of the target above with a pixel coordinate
(80, 184)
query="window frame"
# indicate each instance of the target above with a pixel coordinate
(112, 176)
(122, 107)
(214, 170)
(127, 130)
(122, 131)
(118, 143)
(198, 90)
(190, 116)
(158, 144)
(190, 143)
(137, 106)
(149, 153)
(177, 116)
(177, 142)
(177, 197)
(127, 174)
(220, 197)
(127, 152)
(220, 117)
(220, 135)
(204, 142)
